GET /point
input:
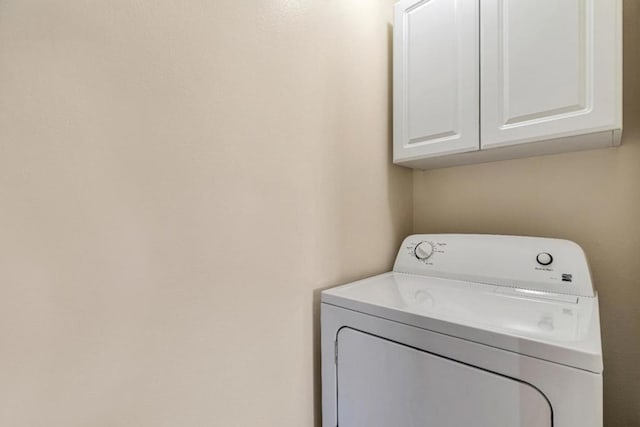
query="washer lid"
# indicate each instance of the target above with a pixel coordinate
(560, 328)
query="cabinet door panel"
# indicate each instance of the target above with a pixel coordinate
(436, 80)
(548, 69)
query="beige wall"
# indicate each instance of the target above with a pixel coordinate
(177, 180)
(591, 197)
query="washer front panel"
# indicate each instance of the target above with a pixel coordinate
(575, 395)
(382, 383)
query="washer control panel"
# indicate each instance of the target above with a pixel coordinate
(536, 263)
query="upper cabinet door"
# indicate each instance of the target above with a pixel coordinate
(549, 69)
(436, 83)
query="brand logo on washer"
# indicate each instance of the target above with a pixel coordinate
(567, 277)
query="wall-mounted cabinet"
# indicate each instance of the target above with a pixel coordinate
(476, 81)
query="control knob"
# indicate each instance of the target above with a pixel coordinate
(544, 258)
(423, 250)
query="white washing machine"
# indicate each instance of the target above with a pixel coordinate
(467, 330)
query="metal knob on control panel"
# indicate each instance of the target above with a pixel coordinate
(423, 250)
